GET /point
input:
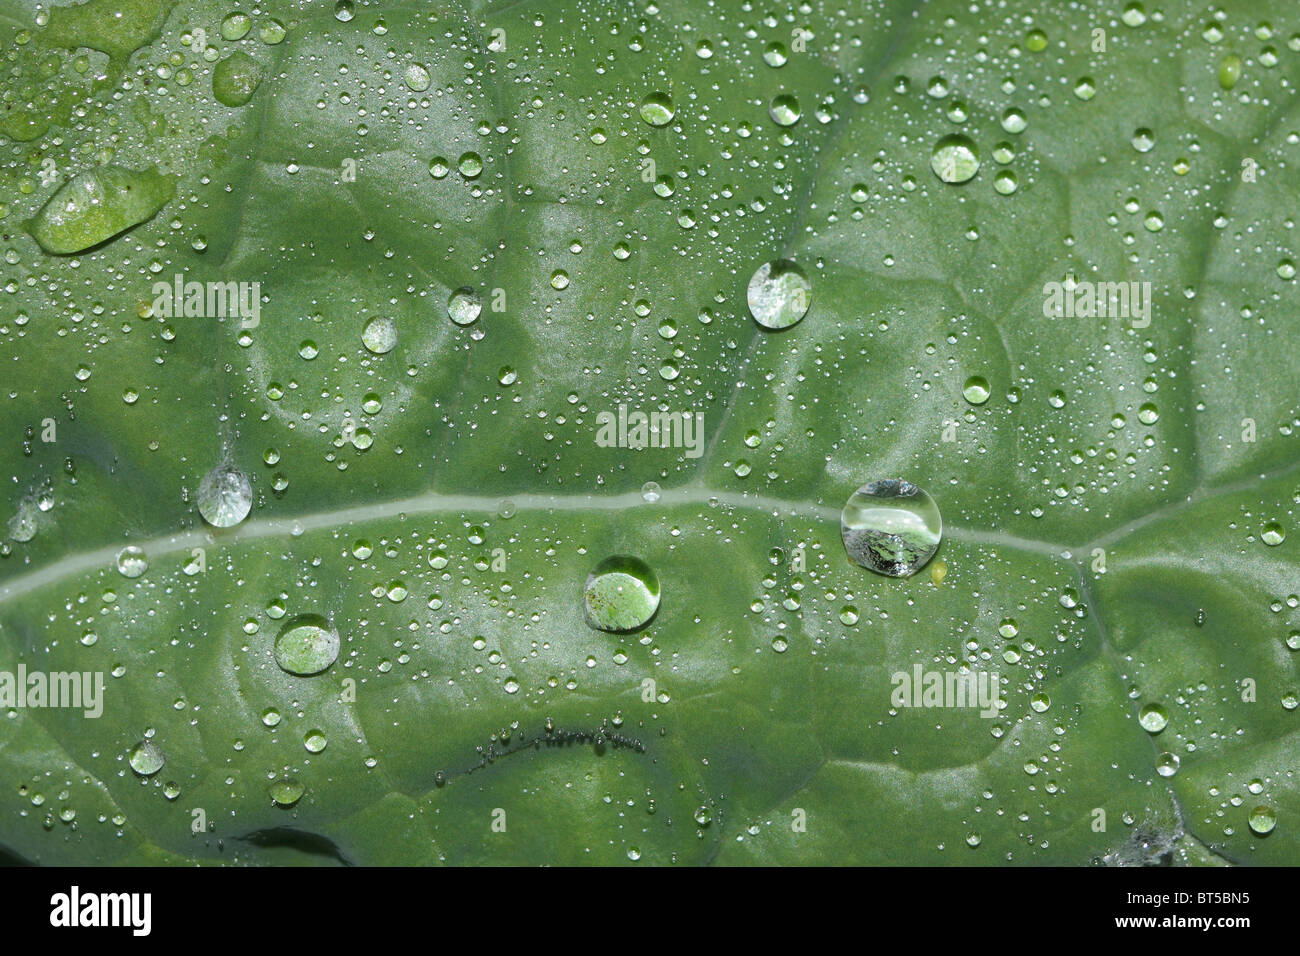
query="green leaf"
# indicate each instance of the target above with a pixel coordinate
(1118, 493)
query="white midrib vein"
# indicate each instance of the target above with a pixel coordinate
(432, 502)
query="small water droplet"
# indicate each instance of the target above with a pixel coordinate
(286, 792)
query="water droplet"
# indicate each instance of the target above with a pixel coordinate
(784, 110)
(146, 758)
(236, 26)
(235, 79)
(621, 594)
(314, 741)
(1262, 820)
(1229, 71)
(463, 307)
(657, 109)
(650, 492)
(1013, 121)
(1153, 718)
(306, 645)
(271, 31)
(1273, 534)
(131, 562)
(439, 167)
(779, 294)
(891, 527)
(94, 206)
(286, 792)
(470, 165)
(380, 335)
(955, 159)
(976, 390)
(775, 55)
(417, 78)
(225, 497)
(1167, 764)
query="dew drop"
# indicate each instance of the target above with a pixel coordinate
(976, 390)
(286, 792)
(784, 110)
(225, 497)
(657, 109)
(1262, 820)
(621, 594)
(470, 165)
(131, 562)
(306, 645)
(380, 335)
(955, 159)
(1153, 718)
(779, 294)
(463, 307)
(891, 527)
(146, 758)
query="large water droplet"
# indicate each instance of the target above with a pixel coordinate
(235, 79)
(380, 335)
(784, 110)
(891, 527)
(976, 390)
(95, 206)
(622, 594)
(286, 792)
(464, 307)
(1262, 820)
(131, 562)
(225, 497)
(657, 109)
(779, 294)
(417, 77)
(146, 758)
(955, 159)
(1153, 719)
(306, 645)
